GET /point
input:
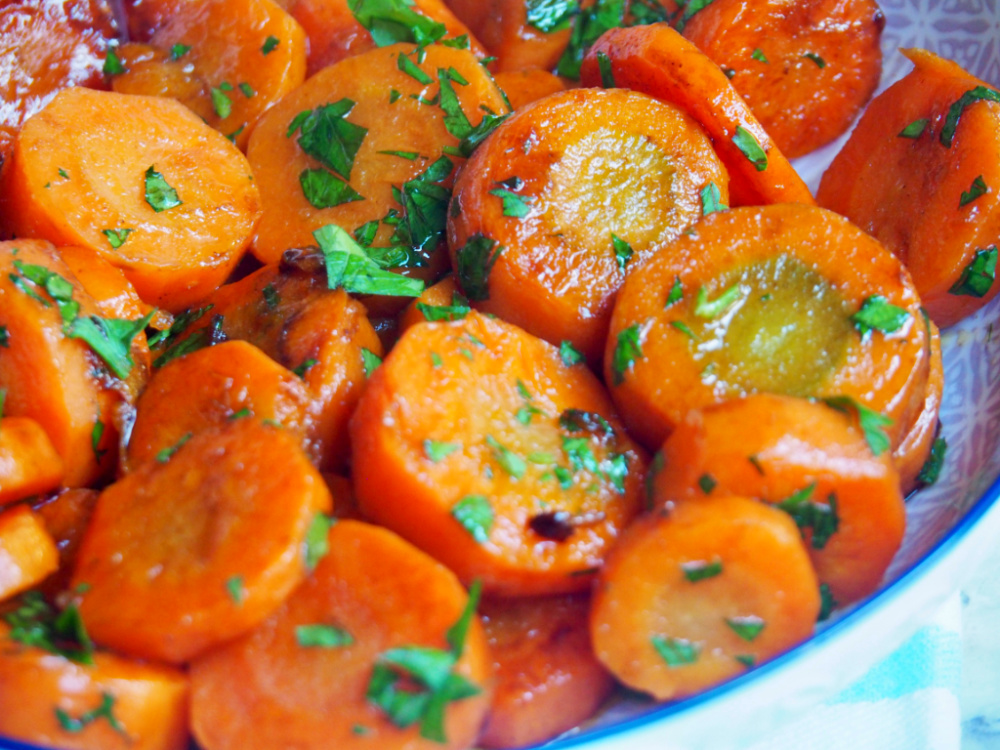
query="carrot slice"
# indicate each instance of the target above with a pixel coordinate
(790, 299)
(29, 465)
(335, 33)
(691, 598)
(66, 516)
(242, 56)
(111, 704)
(920, 443)
(477, 443)
(50, 373)
(803, 458)
(27, 552)
(388, 109)
(212, 540)
(321, 672)
(658, 61)
(921, 173)
(46, 46)
(526, 86)
(183, 203)
(805, 68)
(233, 380)
(548, 679)
(442, 301)
(546, 222)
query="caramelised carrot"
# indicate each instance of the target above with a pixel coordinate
(240, 56)
(385, 178)
(61, 364)
(526, 86)
(805, 67)
(658, 61)
(548, 679)
(182, 205)
(478, 443)
(338, 29)
(29, 465)
(96, 701)
(545, 222)
(785, 299)
(806, 459)
(921, 173)
(213, 386)
(379, 647)
(27, 552)
(45, 46)
(691, 597)
(920, 454)
(65, 515)
(212, 537)
(321, 335)
(442, 301)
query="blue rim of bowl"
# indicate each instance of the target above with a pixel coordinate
(868, 608)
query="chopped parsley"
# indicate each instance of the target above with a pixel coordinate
(322, 636)
(747, 660)
(977, 190)
(744, 140)
(569, 354)
(759, 56)
(578, 420)
(915, 129)
(167, 453)
(711, 199)
(271, 297)
(700, 570)
(476, 515)
(457, 310)
(104, 711)
(327, 136)
(4, 337)
(707, 483)
(606, 71)
(514, 205)
(159, 194)
(747, 628)
(221, 102)
(236, 590)
(509, 461)
(820, 62)
(977, 278)
(476, 259)
(590, 23)
(350, 267)
(877, 313)
(931, 469)
(705, 308)
(627, 350)
(410, 68)
(324, 189)
(826, 602)
(37, 623)
(823, 520)
(392, 21)
(550, 15)
(369, 361)
(676, 293)
(676, 652)
(691, 8)
(979, 93)
(96, 434)
(437, 451)
(247, 90)
(113, 65)
(117, 237)
(178, 51)
(270, 44)
(872, 423)
(316, 544)
(425, 207)
(623, 251)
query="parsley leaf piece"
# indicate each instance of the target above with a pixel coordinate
(425, 206)
(178, 51)
(236, 590)
(457, 310)
(316, 544)
(747, 660)
(369, 361)
(247, 90)
(623, 251)
(159, 195)
(747, 628)
(676, 293)
(711, 199)
(270, 44)
(627, 350)
(408, 155)
(607, 73)
(514, 205)
(977, 278)
(479, 132)
(970, 97)
(690, 9)
(458, 42)
(36, 623)
(325, 135)
(167, 453)
(977, 189)
(455, 120)
(931, 469)
(104, 711)
(324, 189)
(458, 632)
(915, 129)
(823, 520)
(645, 12)
(590, 23)
(820, 62)
(348, 266)
(877, 313)
(96, 433)
(4, 337)
(676, 652)
(221, 102)
(271, 297)
(759, 56)
(110, 339)
(578, 420)
(476, 515)
(509, 461)
(551, 15)
(322, 636)
(827, 602)
(704, 308)
(700, 570)
(569, 354)
(475, 261)
(113, 65)
(744, 140)
(392, 21)
(406, 65)
(437, 451)
(169, 342)
(707, 483)
(117, 237)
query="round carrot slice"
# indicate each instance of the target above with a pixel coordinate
(805, 68)
(526, 86)
(658, 61)
(545, 221)
(47, 367)
(175, 210)
(29, 465)
(347, 660)
(784, 299)
(211, 539)
(28, 553)
(805, 459)
(111, 704)
(548, 679)
(695, 596)
(114, 295)
(388, 176)
(209, 387)
(476, 442)
(921, 173)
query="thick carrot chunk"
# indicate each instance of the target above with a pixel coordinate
(27, 552)
(29, 465)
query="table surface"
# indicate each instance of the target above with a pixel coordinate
(980, 696)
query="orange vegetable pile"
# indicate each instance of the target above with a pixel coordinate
(351, 396)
